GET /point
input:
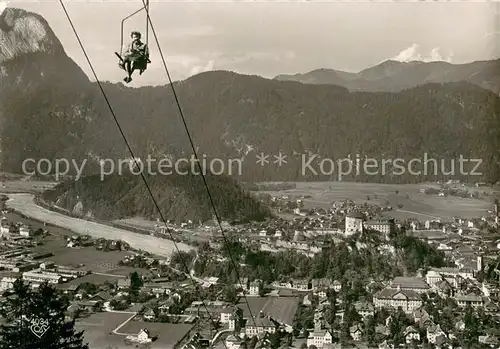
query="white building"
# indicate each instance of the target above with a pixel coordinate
(319, 338)
(353, 223)
(469, 299)
(258, 326)
(364, 309)
(6, 283)
(254, 288)
(143, 336)
(436, 275)
(385, 226)
(234, 322)
(480, 263)
(395, 297)
(25, 230)
(411, 335)
(37, 276)
(4, 228)
(226, 313)
(434, 333)
(232, 342)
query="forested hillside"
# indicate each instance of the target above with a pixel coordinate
(180, 198)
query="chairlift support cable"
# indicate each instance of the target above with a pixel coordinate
(113, 114)
(146, 8)
(195, 153)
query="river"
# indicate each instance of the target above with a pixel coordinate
(24, 203)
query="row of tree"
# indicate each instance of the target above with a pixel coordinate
(357, 260)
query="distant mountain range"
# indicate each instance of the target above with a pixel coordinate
(396, 76)
(50, 109)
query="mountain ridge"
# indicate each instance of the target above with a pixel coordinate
(50, 109)
(23, 32)
(393, 76)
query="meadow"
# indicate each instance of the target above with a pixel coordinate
(414, 203)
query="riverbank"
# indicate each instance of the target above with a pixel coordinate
(24, 204)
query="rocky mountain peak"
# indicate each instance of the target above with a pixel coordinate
(23, 32)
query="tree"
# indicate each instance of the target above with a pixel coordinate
(253, 342)
(135, 283)
(471, 333)
(230, 294)
(369, 330)
(275, 340)
(89, 288)
(397, 325)
(23, 307)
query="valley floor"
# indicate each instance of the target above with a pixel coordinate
(414, 203)
(24, 203)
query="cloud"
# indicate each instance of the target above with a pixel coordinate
(197, 31)
(230, 60)
(3, 6)
(494, 33)
(197, 69)
(192, 65)
(413, 53)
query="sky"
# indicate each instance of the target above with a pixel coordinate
(268, 38)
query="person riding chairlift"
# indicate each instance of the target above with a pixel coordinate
(135, 51)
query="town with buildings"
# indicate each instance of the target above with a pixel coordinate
(168, 304)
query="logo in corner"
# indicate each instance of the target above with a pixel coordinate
(39, 327)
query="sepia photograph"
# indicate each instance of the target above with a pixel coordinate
(261, 174)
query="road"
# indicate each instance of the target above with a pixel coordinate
(193, 264)
(115, 331)
(218, 334)
(418, 214)
(24, 203)
(189, 275)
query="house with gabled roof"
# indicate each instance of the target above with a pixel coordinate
(232, 342)
(444, 289)
(419, 314)
(492, 341)
(356, 332)
(471, 299)
(259, 325)
(394, 298)
(364, 309)
(436, 335)
(319, 338)
(411, 335)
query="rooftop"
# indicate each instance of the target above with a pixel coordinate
(409, 282)
(355, 214)
(392, 293)
(280, 309)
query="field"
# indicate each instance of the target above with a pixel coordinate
(282, 309)
(98, 330)
(98, 261)
(16, 184)
(195, 234)
(91, 258)
(168, 334)
(415, 204)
